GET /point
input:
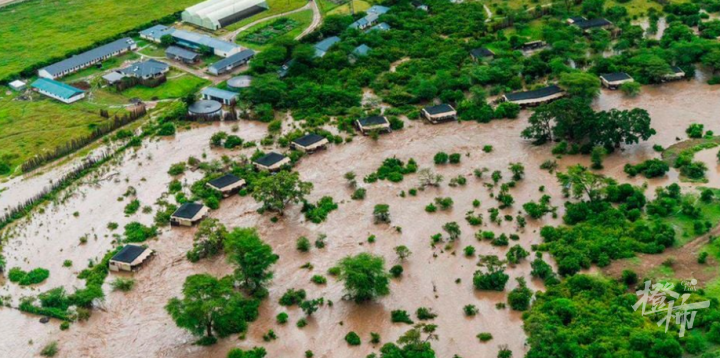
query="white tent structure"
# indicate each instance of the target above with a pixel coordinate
(215, 14)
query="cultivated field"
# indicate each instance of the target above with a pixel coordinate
(37, 30)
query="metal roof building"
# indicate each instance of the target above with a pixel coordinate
(146, 69)
(216, 94)
(232, 62)
(181, 54)
(362, 50)
(323, 46)
(195, 41)
(88, 58)
(216, 14)
(58, 90)
(156, 32)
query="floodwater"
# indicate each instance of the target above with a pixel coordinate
(135, 324)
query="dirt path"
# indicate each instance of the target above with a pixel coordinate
(231, 36)
(489, 13)
(316, 21)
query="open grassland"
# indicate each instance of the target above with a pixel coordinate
(276, 7)
(344, 9)
(303, 19)
(37, 30)
(31, 127)
(178, 85)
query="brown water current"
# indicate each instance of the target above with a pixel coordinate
(135, 324)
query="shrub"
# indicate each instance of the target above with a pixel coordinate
(400, 316)
(424, 314)
(651, 168)
(441, 158)
(469, 250)
(353, 339)
(629, 277)
(166, 129)
(493, 280)
(317, 213)
(303, 244)
(292, 297)
(630, 89)
(132, 207)
(381, 213)
(431, 208)
(484, 337)
(50, 350)
(358, 194)
(487, 148)
(454, 158)
(519, 298)
(318, 279)
(695, 130)
(177, 169)
(22, 278)
(123, 284)
(396, 271)
(281, 318)
(136, 232)
(470, 310)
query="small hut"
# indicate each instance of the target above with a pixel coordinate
(309, 143)
(271, 162)
(188, 214)
(615, 80)
(482, 53)
(130, 258)
(533, 45)
(535, 97)
(227, 184)
(373, 123)
(439, 113)
(676, 74)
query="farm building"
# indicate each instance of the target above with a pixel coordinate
(309, 143)
(535, 97)
(205, 109)
(322, 47)
(113, 77)
(232, 62)
(216, 14)
(227, 184)
(225, 97)
(481, 53)
(182, 55)
(439, 113)
(533, 45)
(130, 258)
(195, 41)
(188, 214)
(271, 162)
(17, 85)
(614, 80)
(361, 50)
(368, 124)
(373, 13)
(58, 90)
(86, 59)
(675, 74)
(146, 70)
(240, 82)
(598, 23)
(573, 19)
(383, 26)
(156, 33)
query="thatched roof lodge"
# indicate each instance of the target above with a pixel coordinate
(372, 123)
(130, 258)
(309, 143)
(533, 45)
(481, 53)
(676, 74)
(227, 184)
(271, 161)
(614, 80)
(535, 97)
(439, 113)
(188, 214)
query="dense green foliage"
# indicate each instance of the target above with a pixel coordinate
(364, 277)
(252, 259)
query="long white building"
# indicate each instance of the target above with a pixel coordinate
(216, 14)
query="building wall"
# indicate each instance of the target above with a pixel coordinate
(64, 100)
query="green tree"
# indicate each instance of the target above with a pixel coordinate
(364, 277)
(415, 343)
(519, 298)
(257, 352)
(252, 258)
(208, 240)
(212, 307)
(578, 181)
(580, 84)
(275, 192)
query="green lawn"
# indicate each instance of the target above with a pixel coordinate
(178, 85)
(344, 9)
(276, 7)
(684, 225)
(31, 127)
(37, 30)
(304, 19)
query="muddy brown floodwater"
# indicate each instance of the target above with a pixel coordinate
(135, 324)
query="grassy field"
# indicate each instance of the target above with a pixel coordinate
(31, 127)
(344, 9)
(304, 19)
(178, 85)
(276, 7)
(37, 30)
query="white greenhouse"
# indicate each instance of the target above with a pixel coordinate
(216, 14)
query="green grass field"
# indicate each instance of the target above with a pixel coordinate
(344, 9)
(178, 85)
(37, 30)
(31, 127)
(304, 19)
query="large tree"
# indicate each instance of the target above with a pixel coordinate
(364, 276)
(616, 127)
(578, 181)
(412, 344)
(275, 192)
(580, 84)
(252, 259)
(212, 307)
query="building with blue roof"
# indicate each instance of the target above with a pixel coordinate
(373, 13)
(232, 62)
(361, 50)
(196, 41)
(88, 58)
(156, 33)
(225, 97)
(58, 90)
(381, 27)
(322, 47)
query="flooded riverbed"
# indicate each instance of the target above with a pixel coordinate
(135, 324)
